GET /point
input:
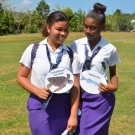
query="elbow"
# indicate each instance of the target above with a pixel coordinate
(18, 79)
(116, 88)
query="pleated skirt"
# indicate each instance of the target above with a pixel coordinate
(97, 110)
(52, 120)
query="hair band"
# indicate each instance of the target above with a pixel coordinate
(98, 11)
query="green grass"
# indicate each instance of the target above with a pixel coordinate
(13, 112)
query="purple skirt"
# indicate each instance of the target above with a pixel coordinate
(97, 110)
(53, 120)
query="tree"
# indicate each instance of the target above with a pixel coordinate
(58, 8)
(43, 9)
(32, 22)
(125, 23)
(80, 18)
(6, 22)
(18, 18)
(117, 15)
(112, 23)
(76, 20)
(119, 21)
(71, 17)
(1, 9)
(133, 25)
(6, 4)
(118, 12)
(19, 13)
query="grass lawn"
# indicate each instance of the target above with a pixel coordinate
(13, 112)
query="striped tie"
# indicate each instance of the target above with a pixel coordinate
(88, 60)
(58, 60)
(52, 66)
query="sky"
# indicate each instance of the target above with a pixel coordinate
(126, 6)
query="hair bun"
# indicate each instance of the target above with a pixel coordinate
(99, 7)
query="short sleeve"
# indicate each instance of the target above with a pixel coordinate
(73, 47)
(114, 58)
(26, 57)
(76, 65)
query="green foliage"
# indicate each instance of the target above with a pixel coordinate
(1, 9)
(80, 20)
(43, 9)
(76, 19)
(32, 29)
(12, 22)
(118, 12)
(6, 23)
(72, 18)
(68, 11)
(133, 25)
(73, 24)
(32, 22)
(119, 21)
(125, 24)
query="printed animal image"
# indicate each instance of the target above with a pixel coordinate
(60, 82)
(89, 80)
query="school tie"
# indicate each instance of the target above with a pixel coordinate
(88, 60)
(58, 59)
(52, 66)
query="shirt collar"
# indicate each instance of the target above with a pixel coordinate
(62, 46)
(85, 42)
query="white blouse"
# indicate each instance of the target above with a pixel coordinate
(41, 65)
(107, 54)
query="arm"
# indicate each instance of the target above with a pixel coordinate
(22, 79)
(75, 98)
(113, 85)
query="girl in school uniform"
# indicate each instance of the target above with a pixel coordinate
(60, 110)
(95, 54)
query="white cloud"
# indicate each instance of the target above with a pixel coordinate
(23, 6)
(27, 2)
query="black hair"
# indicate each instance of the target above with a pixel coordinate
(98, 13)
(51, 19)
